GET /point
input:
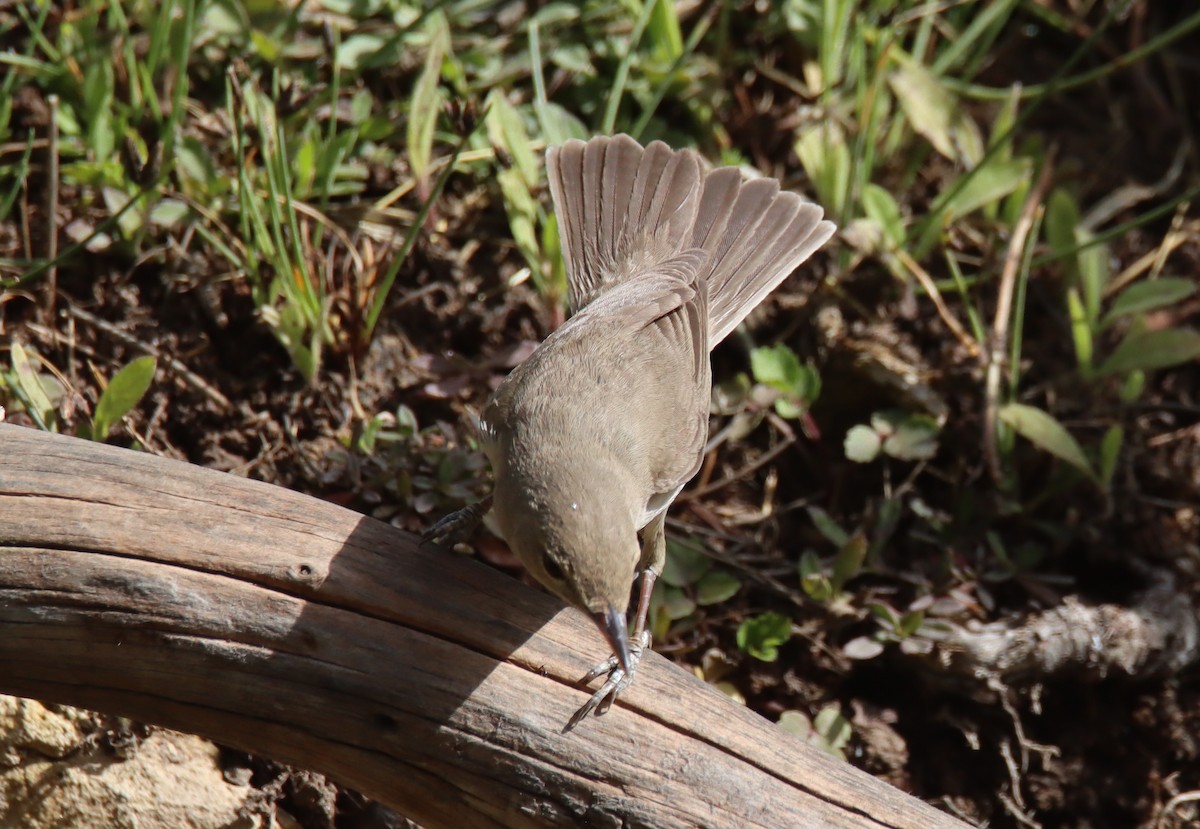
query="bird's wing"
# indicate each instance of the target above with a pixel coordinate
(664, 311)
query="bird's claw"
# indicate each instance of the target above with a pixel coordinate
(458, 525)
(618, 680)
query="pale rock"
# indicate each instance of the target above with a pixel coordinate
(49, 781)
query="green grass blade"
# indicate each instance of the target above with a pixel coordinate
(622, 74)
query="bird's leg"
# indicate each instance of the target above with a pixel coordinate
(654, 558)
(458, 525)
(654, 554)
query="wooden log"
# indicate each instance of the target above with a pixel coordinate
(286, 626)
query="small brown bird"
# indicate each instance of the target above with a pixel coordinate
(594, 435)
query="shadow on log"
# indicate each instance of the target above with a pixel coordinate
(299, 630)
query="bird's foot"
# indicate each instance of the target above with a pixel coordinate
(618, 680)
(458, 526)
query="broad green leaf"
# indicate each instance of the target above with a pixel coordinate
(1062, 217)
(1087, 268)
(574, 57)
(761, 636)
(1081, 332)
(125, 390)
(522, 216)
(94, 174)
(1148, 296)
(881, 208)
(796, 722)
(32, 389)
(779, 368)
(267, 47)
(197, 172)
(115, 200)
(812, 577)
(304, 166)
(557, 14)
(556, 279)
(886, 615)
(663, 31)
(170, 213)
(355, 50)
(365, 441)
(825, 156)
(1147, 350)
(934, 112)
(862, 647)
(890, 512)
(559, 124)
(406, 421)
(848, 562)
(1094, 272)
(716, 586)
(827, 526)
(910, 622)
(677, 604)
(1044, 431)
(805, 391)
(426, 103)
(220, 20)
(810, 565)
(833, 728)
(506, 130)
(987, 185)
(684, 565)
(914, 438)
(775, 366)
(362, 105)
(98, 82)
(1110, 452)
(1132, 386)
(862, 444)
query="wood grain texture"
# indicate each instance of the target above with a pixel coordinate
(296, 629)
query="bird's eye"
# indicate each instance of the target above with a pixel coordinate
(552, 568)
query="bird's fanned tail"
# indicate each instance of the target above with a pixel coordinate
(623, 209)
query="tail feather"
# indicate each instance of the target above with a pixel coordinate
(769, 235)
(623, 209)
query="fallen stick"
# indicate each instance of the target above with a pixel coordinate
(287, 626)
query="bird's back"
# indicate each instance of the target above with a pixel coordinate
(623, 385)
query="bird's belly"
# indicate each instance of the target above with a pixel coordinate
(658, 504)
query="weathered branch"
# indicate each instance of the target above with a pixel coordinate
(287, 626)
(1158, 635)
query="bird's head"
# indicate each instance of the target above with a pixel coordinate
(581, 545)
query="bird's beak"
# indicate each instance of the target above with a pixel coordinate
(615, 629)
